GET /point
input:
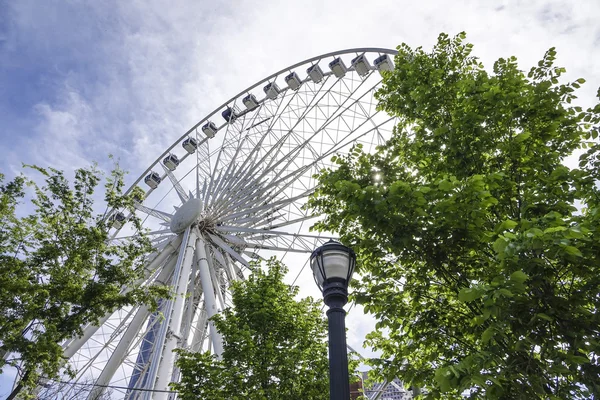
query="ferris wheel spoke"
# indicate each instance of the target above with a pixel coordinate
(234, 185)
(228, 249)
(272, 121)
(324, 152)
(289, 158)
(155, 213)
(219, 288)
(228, 184)
(183, 196)
(258, 193)
(263, 207)
(255, 234)
(203, 162)
(343, 142)
(278, 248)
(250, 197)
(293, 243)
(220, 153)
(292, 221)
(265, 217)
(160, 241)
(151, 233)
(254, 255)
(240, 139)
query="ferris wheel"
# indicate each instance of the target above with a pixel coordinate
(229, 190)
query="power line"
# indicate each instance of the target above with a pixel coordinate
(116, 387)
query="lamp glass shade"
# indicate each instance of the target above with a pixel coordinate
(332, 261)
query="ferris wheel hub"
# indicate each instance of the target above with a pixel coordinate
(186, 215)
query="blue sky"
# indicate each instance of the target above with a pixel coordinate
(83, 79)
(80, 80)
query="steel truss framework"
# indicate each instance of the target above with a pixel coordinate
(239, 196)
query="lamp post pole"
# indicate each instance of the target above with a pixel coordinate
(336, 296)
(333, 265)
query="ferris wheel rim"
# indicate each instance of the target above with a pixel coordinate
(332, 138)
(191, 131)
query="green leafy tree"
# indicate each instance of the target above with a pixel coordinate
(58, 270)
(273, 346)
(479, 249)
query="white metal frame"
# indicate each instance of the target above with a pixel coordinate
(252, 177)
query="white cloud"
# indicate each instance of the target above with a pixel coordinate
(159, 67)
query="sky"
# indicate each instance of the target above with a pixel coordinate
(83, 79)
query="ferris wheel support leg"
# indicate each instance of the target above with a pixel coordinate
(199, 331)
(73, 346)
(172, 334)
(119, 353)
(209, 295)
(215, 282)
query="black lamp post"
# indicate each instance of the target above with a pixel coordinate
(333, 265)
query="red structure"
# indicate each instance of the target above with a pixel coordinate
(356, 389)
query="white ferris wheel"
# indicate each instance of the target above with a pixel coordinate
(229, 190)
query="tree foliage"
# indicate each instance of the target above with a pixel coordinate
(274, 346)
(479, 248)
(58, 270)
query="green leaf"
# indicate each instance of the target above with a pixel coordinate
(518, 276)
(503, 292)
(479, 380)
(487, 334)
(572, 250)
(500, 245)
(506, 225)
(467, 295)
(522, 136)
(545, 317)
(445, 186)
(534, 232)
(555, 229)
(579, 359)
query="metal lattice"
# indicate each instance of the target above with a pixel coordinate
(237, 197)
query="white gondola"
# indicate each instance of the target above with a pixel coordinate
(338, 67)
(152, 180)
(272, 90)
(293, 81)
(117, 220)
(250, 102)
(190, 145)
(361, 65)
(229, 115)
(171, 161)
(384, 63)
(210, 129)
(315, 73)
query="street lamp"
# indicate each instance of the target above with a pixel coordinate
(333, 265)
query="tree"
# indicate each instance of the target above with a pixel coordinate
(479, 249)
(273, 346)
(58, 270)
